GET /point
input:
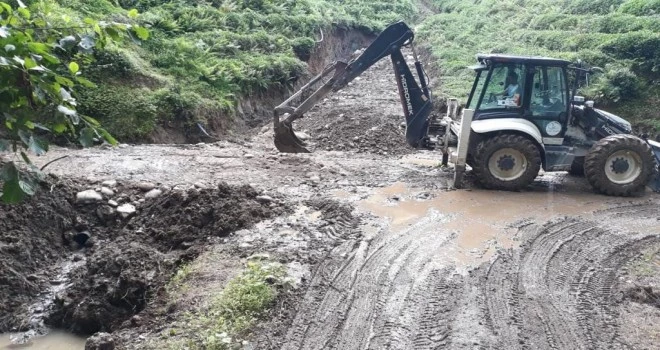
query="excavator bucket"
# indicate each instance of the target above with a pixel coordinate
(286, 140)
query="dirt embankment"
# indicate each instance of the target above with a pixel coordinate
(111, 253)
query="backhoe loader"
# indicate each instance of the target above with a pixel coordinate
(522, 114)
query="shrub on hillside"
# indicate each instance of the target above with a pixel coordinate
(641, 7)
(618, 84)
(129, 114)
(593, 6)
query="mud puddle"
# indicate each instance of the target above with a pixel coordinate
(55, 340)
(477, 222)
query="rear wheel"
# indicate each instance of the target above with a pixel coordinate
(506, 162)
(619, 165)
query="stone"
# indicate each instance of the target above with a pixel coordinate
(126, 210)
(146, 186)
(100, 341)
(88, 196)
(153, 193)
(106, 191)
(303, 136)
(264, 199)
(248, 155)
(106, 213)
(113, 203)
(109, 183)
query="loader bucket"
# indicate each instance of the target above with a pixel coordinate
(654, 184)
(286, 140)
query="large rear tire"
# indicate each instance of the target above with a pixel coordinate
(619, 165)
(506, 162)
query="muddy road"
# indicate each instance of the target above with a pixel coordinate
(392, 258)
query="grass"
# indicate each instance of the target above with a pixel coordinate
(227, 319)
(202, 57)
(622, 36)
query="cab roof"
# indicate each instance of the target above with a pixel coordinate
(500, 58)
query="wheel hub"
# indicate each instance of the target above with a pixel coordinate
(506, 162)
(620, 165)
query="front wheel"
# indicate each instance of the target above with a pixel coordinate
(506, 162)
(619, 165)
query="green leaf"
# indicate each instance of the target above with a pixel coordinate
(68, 42)
(141, 32)
(24, 136)
(9, 172)
(84, 82)
(66, 110)
(91, 120)
(113, 33)
(59, 128)
(86, 137)
(37, 145)
(133, 13)
(73, 67)
(29, 125)
(6, 6)
(64, 81)
(27, 187)
(50, 58)
(39, 48)
(29, 63)
(11, 192)
(25, 157)
(24, 12)
(106, 135)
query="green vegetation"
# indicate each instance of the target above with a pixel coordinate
(621, 36)
(203, 56)
(43, 53)
(226, 321)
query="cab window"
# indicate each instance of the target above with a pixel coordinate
(505, 87)
(549, 95)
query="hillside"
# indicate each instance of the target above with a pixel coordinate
(621, 36)
(205, 57)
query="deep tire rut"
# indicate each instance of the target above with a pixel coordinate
(556, 291)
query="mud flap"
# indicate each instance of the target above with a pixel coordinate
(654, 184)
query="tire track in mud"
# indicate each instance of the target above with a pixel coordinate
(558, 291)
(373, 296)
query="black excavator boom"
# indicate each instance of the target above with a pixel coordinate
(415, 96)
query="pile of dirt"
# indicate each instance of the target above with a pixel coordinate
(364, 117)
(31, 242)
(110, 264)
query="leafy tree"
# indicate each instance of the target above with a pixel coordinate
(41, 57)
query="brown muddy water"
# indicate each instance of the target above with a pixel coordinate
(55, 340)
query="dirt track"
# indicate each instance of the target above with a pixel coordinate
(415, 266)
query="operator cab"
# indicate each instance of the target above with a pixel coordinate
(532, 88)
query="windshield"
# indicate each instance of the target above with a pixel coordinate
(503, 89)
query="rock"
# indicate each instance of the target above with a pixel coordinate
(248, 155)
(315, 178)
(100, 341)
(113, 203)
(200, 185)
(264, 199)
(88, 196)
(109, 183)
(122, 145)
(106, 191)
(153, 193)
(106, 213)
(146, 186)
(303, 136)
(126, 210)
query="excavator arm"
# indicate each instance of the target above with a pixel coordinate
(415, 96)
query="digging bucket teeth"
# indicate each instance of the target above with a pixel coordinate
(286, 140)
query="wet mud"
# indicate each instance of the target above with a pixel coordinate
(384, 253)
